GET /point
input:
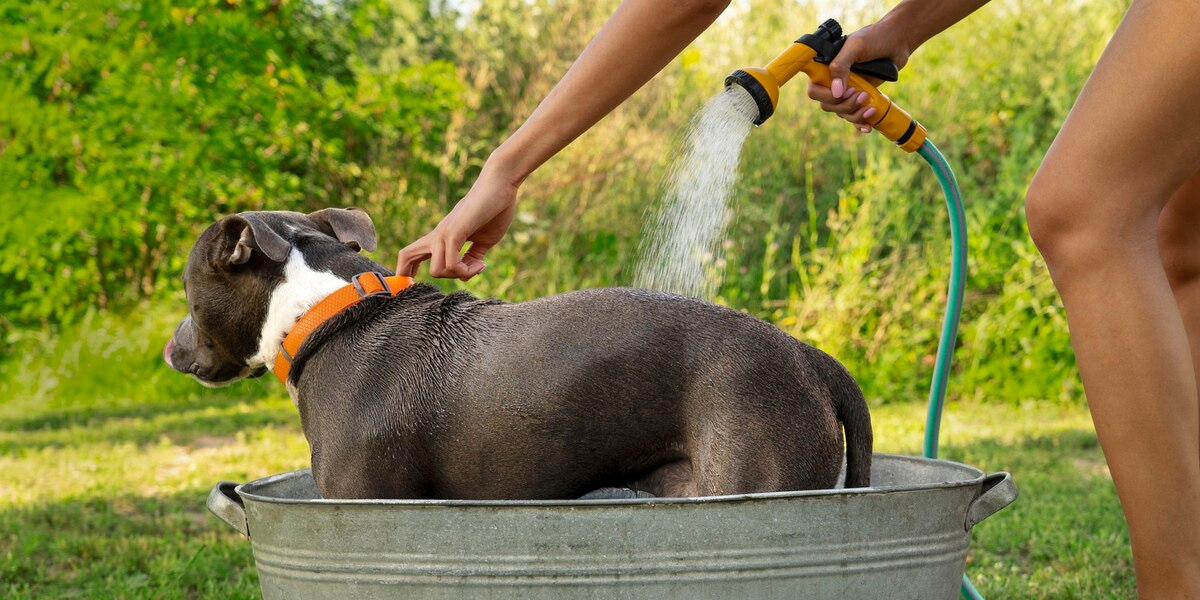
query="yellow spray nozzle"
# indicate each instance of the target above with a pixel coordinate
(811, 54)
(761, 86)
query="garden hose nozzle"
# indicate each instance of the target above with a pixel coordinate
(812, 54)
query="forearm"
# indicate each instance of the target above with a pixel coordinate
(640, 38)
(923, 19)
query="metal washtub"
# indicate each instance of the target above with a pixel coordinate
(906, 537)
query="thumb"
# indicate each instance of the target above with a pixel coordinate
(473, 259)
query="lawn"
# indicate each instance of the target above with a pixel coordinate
(107, 457)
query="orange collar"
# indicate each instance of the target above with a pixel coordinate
(360, 286)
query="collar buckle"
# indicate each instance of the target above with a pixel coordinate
(377, 286)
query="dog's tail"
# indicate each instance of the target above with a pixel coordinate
(852, 411)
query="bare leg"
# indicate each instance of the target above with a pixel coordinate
(1094, 207)
(1179, 244)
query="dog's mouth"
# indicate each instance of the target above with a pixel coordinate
(245, 373)
(213, 378)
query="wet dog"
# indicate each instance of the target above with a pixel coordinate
(429, 395)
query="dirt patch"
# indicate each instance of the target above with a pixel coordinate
(1092, 467)
(204, 442)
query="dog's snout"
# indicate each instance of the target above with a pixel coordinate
(181, 352)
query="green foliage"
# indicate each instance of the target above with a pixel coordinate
(133, 125)
(130, 126)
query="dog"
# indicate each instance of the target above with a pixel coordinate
(426, 395)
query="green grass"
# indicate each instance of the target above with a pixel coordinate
(107, 457)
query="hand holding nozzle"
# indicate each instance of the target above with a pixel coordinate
(813, 54)
(841, 98)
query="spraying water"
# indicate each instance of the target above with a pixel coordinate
(684, 238)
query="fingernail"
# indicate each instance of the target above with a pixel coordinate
(867, 113)
(861, 98)
(850, 92)
(837, 88)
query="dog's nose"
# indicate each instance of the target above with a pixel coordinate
(167, 351)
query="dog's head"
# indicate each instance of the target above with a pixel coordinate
(250, 276)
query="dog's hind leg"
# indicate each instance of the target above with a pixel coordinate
(675, 479)
(778, 452)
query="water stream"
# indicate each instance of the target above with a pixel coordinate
(683, 240)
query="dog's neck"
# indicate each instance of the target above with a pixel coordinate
(302, 288)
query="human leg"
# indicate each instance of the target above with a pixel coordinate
(1093, 210)
(1179, 245)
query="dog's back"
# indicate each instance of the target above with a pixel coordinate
(559, 396)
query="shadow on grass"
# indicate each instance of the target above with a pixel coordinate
(123, 547)
(207, 426)
(144, 402)
(152, 404)
(993, 453)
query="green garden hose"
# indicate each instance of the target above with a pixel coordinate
(954, 299)
(954, 295)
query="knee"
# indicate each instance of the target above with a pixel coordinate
(1044, 214)
(1052, 212)
(1077, 223)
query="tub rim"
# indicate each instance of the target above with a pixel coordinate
(974, 477)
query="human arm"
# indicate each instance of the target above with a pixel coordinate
(640, 38)
(896, 36)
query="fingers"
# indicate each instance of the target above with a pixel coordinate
(446, 263)
(410, 258)
(442, 254)
(862, 117)
(449, 262)
(472, 262)
(852, 105)
(839, 67)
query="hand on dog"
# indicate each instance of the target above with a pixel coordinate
(482, 218)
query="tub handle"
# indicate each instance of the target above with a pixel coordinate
(998, 491)
(225, 502)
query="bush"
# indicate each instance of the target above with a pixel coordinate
(129, 126)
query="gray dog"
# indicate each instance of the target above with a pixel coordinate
(428, 395)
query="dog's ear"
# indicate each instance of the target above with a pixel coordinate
(351, 226)
(246, 233)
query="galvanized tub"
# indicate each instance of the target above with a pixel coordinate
(906, 537)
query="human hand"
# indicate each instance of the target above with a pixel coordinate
(482, 217)
(879, 40)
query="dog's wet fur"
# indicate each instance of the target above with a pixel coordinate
(429, 395)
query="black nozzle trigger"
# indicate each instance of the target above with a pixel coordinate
(828, 40)
(880, 68)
